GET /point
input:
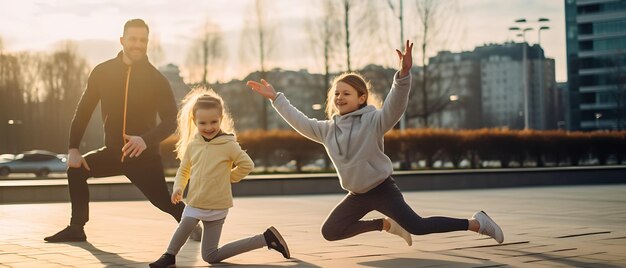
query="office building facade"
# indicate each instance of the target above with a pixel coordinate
(596, 61)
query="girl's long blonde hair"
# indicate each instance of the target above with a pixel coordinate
(198, 98)
(358, 82)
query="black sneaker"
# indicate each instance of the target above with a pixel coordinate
(166, 261)
(275, 241)
(71, 233)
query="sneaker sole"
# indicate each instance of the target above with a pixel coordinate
(495, 224)
(280, 239)
(171, 266)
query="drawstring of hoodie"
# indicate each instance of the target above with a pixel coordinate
(349, 138)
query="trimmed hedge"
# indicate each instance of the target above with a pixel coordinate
(479, 148)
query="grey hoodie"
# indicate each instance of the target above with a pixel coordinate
(354, 141)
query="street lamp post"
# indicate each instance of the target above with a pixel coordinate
(13, 128)
(524, 71)
(454, 99)
(525, 67)
(542, 59)
(400, 17)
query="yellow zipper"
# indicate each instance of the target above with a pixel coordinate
(125, 109)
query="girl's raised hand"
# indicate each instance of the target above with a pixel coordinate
(264, 88)
(406, 59)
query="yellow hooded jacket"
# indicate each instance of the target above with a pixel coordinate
(210, 165)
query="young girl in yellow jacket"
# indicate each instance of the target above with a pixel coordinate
(208, 151)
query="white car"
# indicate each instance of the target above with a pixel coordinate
(39, 162)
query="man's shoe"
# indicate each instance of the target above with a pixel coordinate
(275, 241)
(196, 234)
(166, 261)
(395, 228)
(69, 234)
(489, 227)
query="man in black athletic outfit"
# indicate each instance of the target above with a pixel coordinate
(132, 92)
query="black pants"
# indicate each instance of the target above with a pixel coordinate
(345, 219)
(145, 171)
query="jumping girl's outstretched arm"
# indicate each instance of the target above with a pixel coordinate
(311, 128)
(396, 102)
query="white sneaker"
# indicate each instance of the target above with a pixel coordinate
(396, 229)
(489, 227)
(196, 234)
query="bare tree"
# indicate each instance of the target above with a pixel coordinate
(1, 55)
(325, 38)
(64, 74)
(30, 64)
(347, 5)
(207, 52)
(435, 19)
(362, 31)
(260, 34)
(11, 102)
(38, 92)
(398, 12)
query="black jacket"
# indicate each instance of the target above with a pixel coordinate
(149, 95)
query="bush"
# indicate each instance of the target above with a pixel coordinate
(503, 146)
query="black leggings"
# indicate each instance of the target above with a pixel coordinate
(345, 219)
(145, 171)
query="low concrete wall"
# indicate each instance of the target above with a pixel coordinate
(38, 191)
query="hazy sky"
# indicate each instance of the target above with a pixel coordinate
(97, 24)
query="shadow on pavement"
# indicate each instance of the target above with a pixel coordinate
(108, 259)
(293, 262)
(408, 262)
(569, 260)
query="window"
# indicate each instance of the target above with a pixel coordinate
(597, 80)
(585, 45)
(606, 97)
(588, 98)
(618, 60)
(603, 44)
(608, 44)
(585, 28)
(615, 6)
(608, 27)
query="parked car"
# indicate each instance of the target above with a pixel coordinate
(39, 162)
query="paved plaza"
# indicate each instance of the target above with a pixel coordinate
(564, 226)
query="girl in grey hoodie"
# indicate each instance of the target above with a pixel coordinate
(353, 139)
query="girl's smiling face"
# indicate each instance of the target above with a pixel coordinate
(347, 99)
(208, 122)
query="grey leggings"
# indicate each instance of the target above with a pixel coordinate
(210, 239)
(345, 219)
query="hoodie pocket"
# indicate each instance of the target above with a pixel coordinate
(358, 176)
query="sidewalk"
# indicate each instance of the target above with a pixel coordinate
(576, 226)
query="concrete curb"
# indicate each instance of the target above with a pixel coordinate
(120, 189)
